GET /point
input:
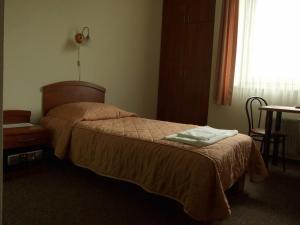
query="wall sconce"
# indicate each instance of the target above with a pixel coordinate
(82, 37)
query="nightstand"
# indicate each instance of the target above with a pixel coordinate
(23, 145)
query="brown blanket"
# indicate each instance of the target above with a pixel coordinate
(131, 148)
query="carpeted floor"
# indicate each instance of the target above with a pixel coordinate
(60, 194)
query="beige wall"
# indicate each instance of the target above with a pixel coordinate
(123, 54)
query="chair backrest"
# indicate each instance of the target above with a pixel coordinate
(252, 104)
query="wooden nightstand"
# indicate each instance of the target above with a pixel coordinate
(24, 144)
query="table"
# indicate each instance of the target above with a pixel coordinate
(268, 127)
(22, 144)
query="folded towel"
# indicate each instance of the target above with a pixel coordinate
(201, 136)
(198, 134)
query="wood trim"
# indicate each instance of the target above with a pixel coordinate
(1, 97)
(16, 116)
(22, 137)
(70, 91)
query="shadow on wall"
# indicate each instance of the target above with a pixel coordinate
(229, 117)
(70, 45)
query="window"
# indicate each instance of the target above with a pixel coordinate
(268, 50)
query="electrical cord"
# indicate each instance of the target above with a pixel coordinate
(79, 64)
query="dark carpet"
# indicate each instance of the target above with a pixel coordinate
(61, 194)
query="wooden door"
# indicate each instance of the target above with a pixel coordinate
(171, 65)
(197, 60)
(200, 11)
(197, 70)
(186, 54)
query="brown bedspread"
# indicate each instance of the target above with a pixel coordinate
(132, 149)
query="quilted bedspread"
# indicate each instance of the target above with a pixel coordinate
(132, 149)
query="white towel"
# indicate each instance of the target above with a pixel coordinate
(198, 134)
(201, 136)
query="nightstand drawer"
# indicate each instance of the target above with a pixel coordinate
(25, 140)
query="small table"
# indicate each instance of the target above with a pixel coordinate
(268, 126)
(21, 140)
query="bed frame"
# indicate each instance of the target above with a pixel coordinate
(79, 91)
(70, 91)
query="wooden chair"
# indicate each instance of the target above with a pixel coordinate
(256, 129)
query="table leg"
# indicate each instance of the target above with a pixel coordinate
(276, 139)
(268, 129)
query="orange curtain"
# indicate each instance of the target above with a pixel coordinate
(227, 51)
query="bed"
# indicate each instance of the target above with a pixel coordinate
(118, 144)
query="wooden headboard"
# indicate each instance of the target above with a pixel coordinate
(70, 91)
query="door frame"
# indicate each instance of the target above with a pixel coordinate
(1, 102)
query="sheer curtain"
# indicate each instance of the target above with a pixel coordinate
(268, 51)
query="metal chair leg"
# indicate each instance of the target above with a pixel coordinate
(262, 146)
(283, 154)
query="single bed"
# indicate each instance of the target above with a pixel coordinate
(114, 143)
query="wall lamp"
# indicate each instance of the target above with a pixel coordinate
(82, 37)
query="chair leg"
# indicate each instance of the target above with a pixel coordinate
(262, 146)
(283, 154)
